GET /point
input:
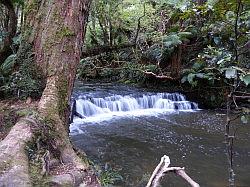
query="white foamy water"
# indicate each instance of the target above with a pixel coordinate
(94, 109)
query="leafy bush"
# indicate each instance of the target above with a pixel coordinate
(20, 80)
(215, 64)
(109, 177)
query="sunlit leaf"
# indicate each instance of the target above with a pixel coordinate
(231, 73)
(8, 64)
(190, 77)
(184, 79)
(244, 119)
(200, 75)
(246, 79)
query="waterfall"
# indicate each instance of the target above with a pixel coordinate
(93, 106)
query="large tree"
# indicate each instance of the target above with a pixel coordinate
(8, 28)
(52, 38)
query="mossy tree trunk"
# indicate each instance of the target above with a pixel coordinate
(10, 28)
(52, 37)
(55, 31)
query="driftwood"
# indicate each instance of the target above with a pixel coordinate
(162, 168)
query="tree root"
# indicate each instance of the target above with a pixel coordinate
(15, 168)
(14, 162)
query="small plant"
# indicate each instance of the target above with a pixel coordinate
(109, 177)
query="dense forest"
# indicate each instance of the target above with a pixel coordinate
(200, 48)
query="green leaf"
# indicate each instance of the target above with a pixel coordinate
(171, 40)
(198, 65)
(190, 78)
(8, 64)
(220, 61)
(231, 73)
(245, 79)
(184, 35)
(184, 79)
(244, 119)
(200, 75)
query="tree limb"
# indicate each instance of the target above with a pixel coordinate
(162, 168)
(162, 77)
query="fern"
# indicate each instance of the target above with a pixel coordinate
(8, 64)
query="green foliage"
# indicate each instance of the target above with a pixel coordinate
(215, 64)
(20, 77)
(8, 65)
(65, 32)
(245, 78)
(129, 72)
(109, 177)
(245, 118)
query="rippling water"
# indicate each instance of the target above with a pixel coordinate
(133, 144)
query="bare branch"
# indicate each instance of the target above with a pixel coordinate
(162, 168)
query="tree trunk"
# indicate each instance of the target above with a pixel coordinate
(54, 32)
(59, 33)
(176, 62)
(10, 28)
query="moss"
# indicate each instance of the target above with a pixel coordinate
(62, 88)
(46, 136)
(32, 6)
(8, 118)
(4, 166)
(25, 112)
(64, 32)
(35, 165)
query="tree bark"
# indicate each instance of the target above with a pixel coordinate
(11, 26)
(54, 31)
(14, 169)
(58, 38)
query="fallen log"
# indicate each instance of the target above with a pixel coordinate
(162, 168)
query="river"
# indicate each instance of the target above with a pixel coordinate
(130, 129)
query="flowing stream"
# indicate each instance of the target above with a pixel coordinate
(130, 129)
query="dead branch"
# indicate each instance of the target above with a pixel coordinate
(45, 163)
(162, 168)
(165, 77)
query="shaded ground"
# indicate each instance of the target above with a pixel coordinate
(11, 111)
